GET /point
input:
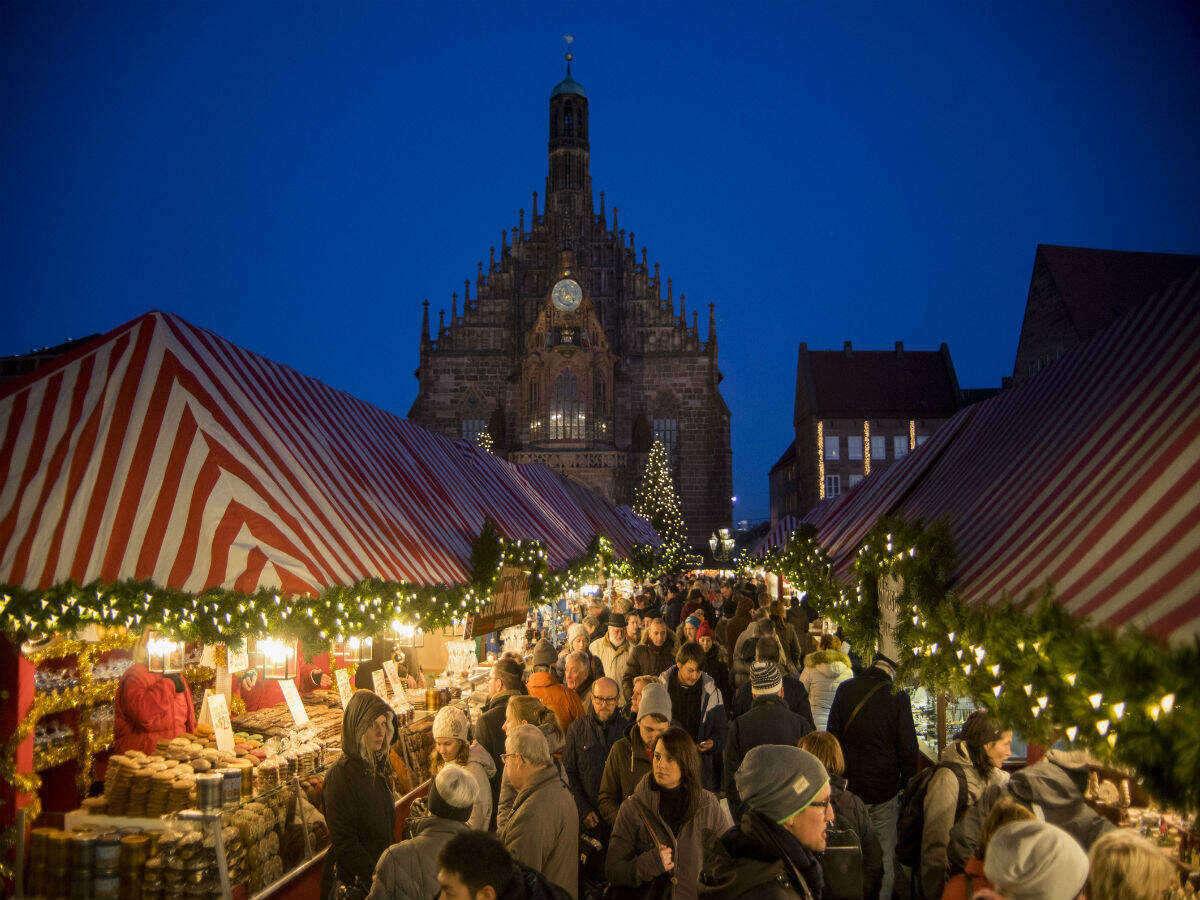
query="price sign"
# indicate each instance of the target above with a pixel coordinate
(345, 691)
(393, 675)
(295, 707)
(218, 711)
(239, 660)
(380, 682)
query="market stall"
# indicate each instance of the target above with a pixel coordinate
(162, 478)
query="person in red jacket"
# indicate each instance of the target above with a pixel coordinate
(149, 707)
(259, 692)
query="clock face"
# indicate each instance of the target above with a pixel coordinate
(567, 295)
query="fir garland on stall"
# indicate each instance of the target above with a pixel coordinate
(1124, 695)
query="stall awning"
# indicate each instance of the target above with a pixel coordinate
(777, 537)
(1087, 477)
(163, 451)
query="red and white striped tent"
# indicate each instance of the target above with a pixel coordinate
(776, 538)
(1086, 476)
(162, 451)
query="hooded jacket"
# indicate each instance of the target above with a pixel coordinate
(1048, 787)
(614, 659)
(564, 702)
(359, 808)
(633, 854)
(713, 723)
(408, 870)
(647, 659)
(823, 672)
(147, 709)
(588, 744)
(768, 721)
(628, 762)
(941, 804)
(758, 859)
(481, 767)
(543, 830)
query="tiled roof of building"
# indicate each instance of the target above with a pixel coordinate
(788, 455)
(876, 384)
(1097, 286)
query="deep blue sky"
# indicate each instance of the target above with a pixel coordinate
(298, 176)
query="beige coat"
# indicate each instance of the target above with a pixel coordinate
(543, 830)
(613, 658)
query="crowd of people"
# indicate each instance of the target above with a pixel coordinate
(700, 741)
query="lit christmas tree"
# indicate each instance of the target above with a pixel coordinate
(484, 440)
(657, 501)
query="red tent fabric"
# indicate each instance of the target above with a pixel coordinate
(163, 451)
(777, 537)
(1087, 477)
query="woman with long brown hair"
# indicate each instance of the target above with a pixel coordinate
(661, 827)
(452, 745)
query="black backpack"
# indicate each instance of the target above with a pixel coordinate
(911, 828)
(842, 862)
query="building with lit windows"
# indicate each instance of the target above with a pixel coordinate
(571, 350)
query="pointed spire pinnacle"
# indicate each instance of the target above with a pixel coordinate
(682, 311)
(695, 323)
(670, 295)
(712, 324)
(535, 205)
(569, 40)
(466, 293)
(454, 307)
(492, 258)
(614, 220)
(503, 241)
(602, 206)
(522, 222)
(425, 322)
(441, 321)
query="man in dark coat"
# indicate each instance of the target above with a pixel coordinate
(874, 724)
(489, 731)
(653, 656)
(629, 759)
(768, 721)
(795, 694)
(589, 740)
(473, 862)
(673, 608)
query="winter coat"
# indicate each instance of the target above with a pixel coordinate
(543, 830)
(481, 767)
(966, 884)
(704, 607)
(716, 664)
(589, 742)
(595, 666)
(148, 709)
(1045, 785)
(267, 692)
(713, 723)
(746, 647)
(360, 811)
(628, 761)
(850, 812)
(791, 645)
(508, 793)
(823, 672)
(646, 659)
(880, 746)
(408, 870)
(794, 695)
(768, 721)
(672, 610)
(530, 884)
(614, 659)
(758, 859)
(489, 731)
(941, 804)
(733, 627)
(556, 696)
(633, 854)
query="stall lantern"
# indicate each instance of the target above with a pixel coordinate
(352, 651)
(275, 658)
(165, 656)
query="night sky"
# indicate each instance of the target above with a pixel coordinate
(298, 177)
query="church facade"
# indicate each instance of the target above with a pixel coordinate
(571, 352)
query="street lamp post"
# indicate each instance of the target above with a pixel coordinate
(721, 544)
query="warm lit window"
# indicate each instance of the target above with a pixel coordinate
(833, 485)
(854, 447)
(899, 446)
(831, 448)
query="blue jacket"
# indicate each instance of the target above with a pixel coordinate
(713, 725)
(588, 742)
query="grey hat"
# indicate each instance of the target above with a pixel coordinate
(544, 653)
(655, 702)
(1035, 861)
(577, 630)
(765, 678)
(779, 780)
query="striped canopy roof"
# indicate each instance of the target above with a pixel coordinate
(1087, 477)
(776, 538)
(162, 451)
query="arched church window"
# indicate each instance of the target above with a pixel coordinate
(568, 121)
(567, 418)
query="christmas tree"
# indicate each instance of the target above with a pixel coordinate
(484, 440)
(657, 501)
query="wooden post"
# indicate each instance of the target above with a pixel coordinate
(941, 723)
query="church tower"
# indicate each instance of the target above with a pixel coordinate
(569, 351)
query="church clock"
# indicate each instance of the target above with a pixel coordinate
(567, 295)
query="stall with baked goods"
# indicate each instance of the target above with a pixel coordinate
(227, 500)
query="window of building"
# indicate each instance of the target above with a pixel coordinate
(922, 438)
(854, 479)
(833, 485)
(831, 447)
(667, 431)
(899, 446)
(472, 428)
(854, 447)
(567, 418)
(568, 122)
(878, 447)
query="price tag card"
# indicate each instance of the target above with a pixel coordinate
(218, 710)
(393, 675)
(239, 659)
(295, 707)
(345, 690)
(380, 682)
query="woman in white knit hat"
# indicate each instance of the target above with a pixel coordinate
(452, 744)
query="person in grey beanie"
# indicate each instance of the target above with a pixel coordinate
(771, 854)
(1035, 861)
(408, 870)
(629, 759)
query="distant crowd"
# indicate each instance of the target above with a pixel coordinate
(707, 740)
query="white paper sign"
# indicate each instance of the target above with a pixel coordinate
(295, 707)
(380, 682)
(208, 656)
(393, 675)
(345, 691)
(239, 660)
(205, 716)
(218, 709)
